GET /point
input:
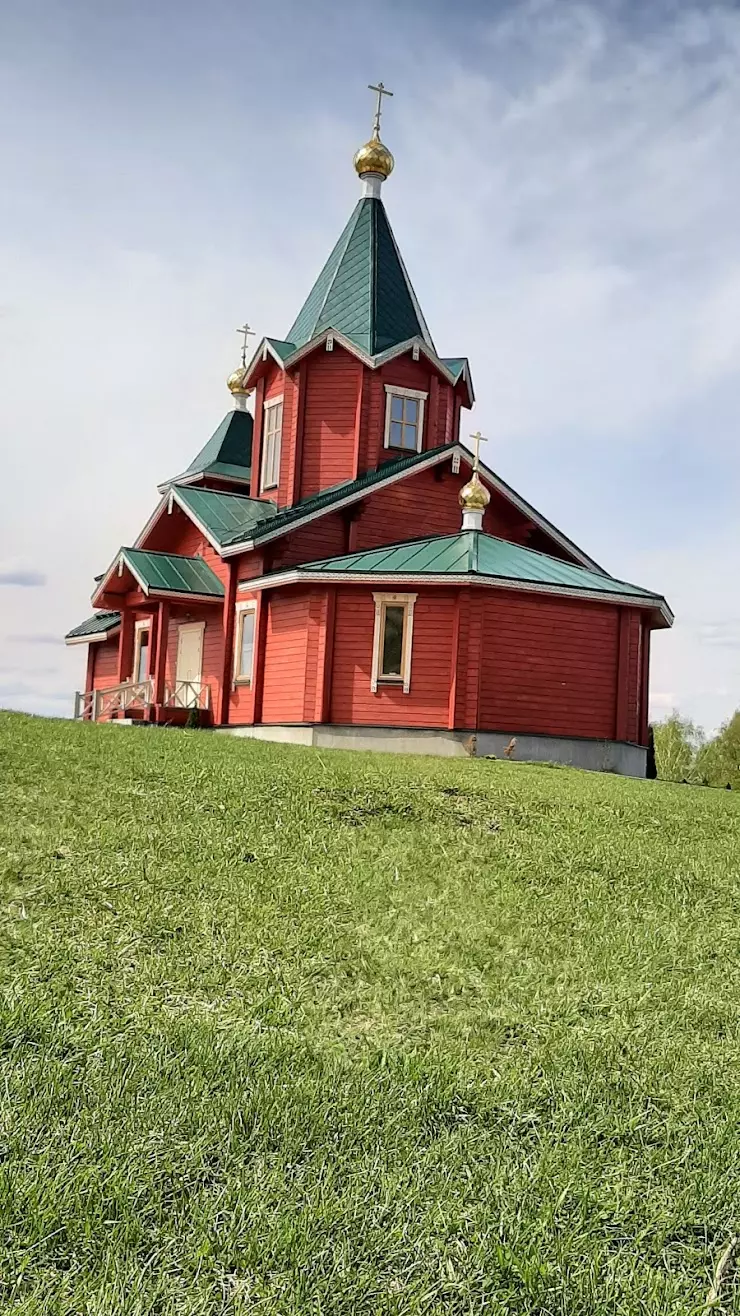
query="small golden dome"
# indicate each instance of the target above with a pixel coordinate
(374, 158)
(474, 497)
(235, 382)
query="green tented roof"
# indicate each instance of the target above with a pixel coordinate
(473, 553)
(363, 290)
(231, 443)
(98, 624)
(225, 516)
(170, 573)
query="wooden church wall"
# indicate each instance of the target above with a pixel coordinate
(176, 533)
(426, 704)
(549, 666)
(105, 669)
(285, 657)
(213, 644)
(332, 393)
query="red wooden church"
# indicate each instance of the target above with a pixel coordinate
(340, 570)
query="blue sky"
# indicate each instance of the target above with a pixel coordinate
(566, 196)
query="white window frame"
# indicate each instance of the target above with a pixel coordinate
(139, 627)
(382, 601)
(250, 605)
(277, 438)
(395, 391)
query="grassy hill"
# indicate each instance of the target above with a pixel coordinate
(286, 1031)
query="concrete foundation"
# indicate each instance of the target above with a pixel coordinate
(594, 755)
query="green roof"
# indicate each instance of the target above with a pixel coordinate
(318, 502)
(98, 624)
(281, 348)
(232, 519)
(229, 445)
(171, 573)
(455, 365)
(473, 553)
(227, 517)
(363, 290)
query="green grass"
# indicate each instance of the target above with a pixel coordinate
(286, 1031)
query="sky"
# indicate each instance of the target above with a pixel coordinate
(566, 197)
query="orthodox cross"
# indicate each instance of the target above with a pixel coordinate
(478, 439)
(248, 332)
(381, 90)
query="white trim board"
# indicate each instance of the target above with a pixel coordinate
(294, 577)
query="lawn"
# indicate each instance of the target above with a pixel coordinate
(290, 1031)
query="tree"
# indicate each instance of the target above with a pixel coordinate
(718, 761)
(678, 743)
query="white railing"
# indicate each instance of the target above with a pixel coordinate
(188, 694)
(97, 704)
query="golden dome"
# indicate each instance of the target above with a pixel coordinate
(474, 497)
(235, 382)
(374, 158)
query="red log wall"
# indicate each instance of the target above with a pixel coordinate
(426, 704)
(105, 670)
(549, 665)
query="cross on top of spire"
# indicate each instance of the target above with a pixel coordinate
(382, 91)
(248, 332)
(478, 439)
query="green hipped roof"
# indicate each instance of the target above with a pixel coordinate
(227, 517)
(171, 573)
(473, 553)
(229, 446)
(98, 624)
(363, 290)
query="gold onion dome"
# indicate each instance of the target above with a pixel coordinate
(374, 158)
(474, 497)
(235, 382)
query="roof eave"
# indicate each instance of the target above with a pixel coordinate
(94, 638)
(298, 575)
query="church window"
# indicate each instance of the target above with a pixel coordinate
(404, 418)
(244, 643)
(392, 641)
(272, 428)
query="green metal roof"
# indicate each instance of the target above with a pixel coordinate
(98, 624)
(473, 553)
(281, 348)
(319, 502)
(363, 291)
(170, 573)
(227, 517)
(455, 365)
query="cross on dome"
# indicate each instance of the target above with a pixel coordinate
(248, 332)
(382, 91)
(374, 161)
(478, 439)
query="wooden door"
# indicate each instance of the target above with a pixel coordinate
(189, 670)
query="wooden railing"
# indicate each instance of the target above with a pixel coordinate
(98, 704)
(188, 694)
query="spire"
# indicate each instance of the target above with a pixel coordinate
(474, 497)
(374, 161)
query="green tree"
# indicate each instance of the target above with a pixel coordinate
(678, 743)
(718, 761)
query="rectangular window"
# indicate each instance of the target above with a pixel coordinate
(244, 644)
(272, 428)
(392, 641)
(404, 418)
